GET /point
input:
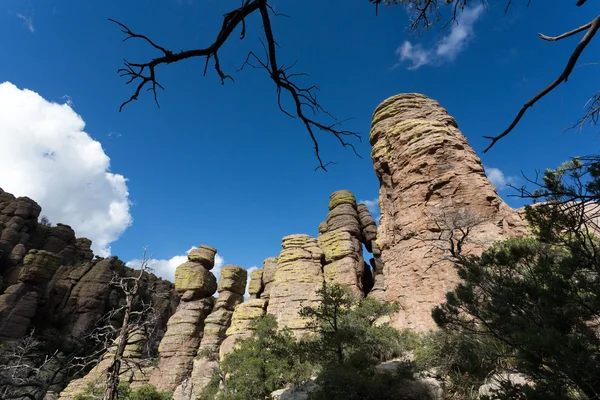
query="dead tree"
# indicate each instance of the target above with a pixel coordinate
(28, 371)
(452, 233)
(304, 98)
(138, 321)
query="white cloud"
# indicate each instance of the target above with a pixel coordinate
(447, 48)
(416, 54)
(497, 177)
(68, 100)
(166, 268)
(46, 155)
(246, 294)
(28, 21)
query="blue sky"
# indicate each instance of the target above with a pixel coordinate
(220, 165)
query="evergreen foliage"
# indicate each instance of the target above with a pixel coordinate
(125, 392)
(540, 296)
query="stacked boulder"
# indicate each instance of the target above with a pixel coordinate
(256, 286)
(369, 236)
(298, 276)
(255, 306)
(196, 285)
(268, 276)
(340, 238)
(231, 293)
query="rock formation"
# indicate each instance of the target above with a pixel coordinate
(429, 176)
(231, 293)
(298, 276)
(49, 279)
(340, 238)
(19, 302)
(196, 285)
(256, 286)
(268, 276)
(431, 182)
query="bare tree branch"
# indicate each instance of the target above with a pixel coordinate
(592, 27)
(144, 74)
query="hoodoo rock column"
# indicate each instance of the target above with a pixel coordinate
(231, 293)
(196, 284)
(427, 171)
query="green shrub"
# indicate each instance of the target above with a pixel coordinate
(95, 391)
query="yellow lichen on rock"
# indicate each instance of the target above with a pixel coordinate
(336, 245)
(204, 255)
(341, 197)
(255, 286)
(193, 276)
(233, 278)
(424, 165)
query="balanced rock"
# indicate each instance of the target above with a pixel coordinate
(268, 277)
(215, 328)
(204, 255)
(194, 277)
(233, 278)
(256, 286)
(185, 328)
(427, 171)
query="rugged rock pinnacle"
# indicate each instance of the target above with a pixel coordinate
(430, 180)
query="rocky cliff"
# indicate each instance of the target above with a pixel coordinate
(50, 279)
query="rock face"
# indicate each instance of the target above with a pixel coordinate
(429, 176)
(298, 276)
(185, 329)
(268, 276)
(231, 293)
(49, 280)
(431, 182)
(340, 238)
(19, 303)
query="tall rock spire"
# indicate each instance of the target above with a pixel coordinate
(429, 176)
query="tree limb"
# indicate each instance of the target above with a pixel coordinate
(144, 74)
(592, 28)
